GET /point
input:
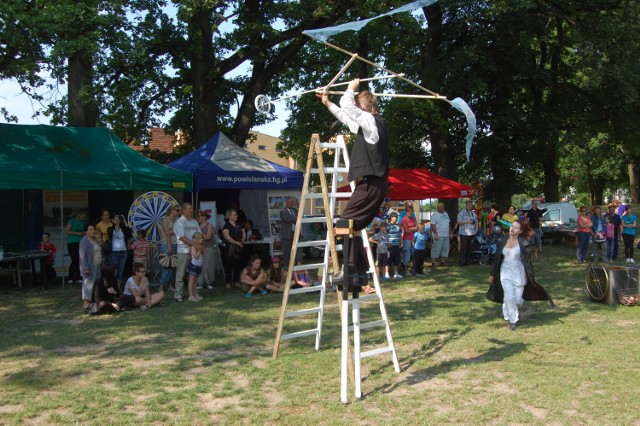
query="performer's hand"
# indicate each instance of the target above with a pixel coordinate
(490, 278)
(354, 84)
(324, 97)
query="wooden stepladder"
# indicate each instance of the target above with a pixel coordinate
(329, 199)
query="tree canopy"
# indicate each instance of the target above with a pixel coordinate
(554, 85)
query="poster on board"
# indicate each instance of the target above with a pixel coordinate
(276, 202)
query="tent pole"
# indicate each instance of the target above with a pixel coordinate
(64, 279)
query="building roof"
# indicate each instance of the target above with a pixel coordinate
(161, 140)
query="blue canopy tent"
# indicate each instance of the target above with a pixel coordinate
(223, 171)
(221, 164)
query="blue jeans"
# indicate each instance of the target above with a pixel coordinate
(610, 245)
(167, 275)
(583, 245)
(615, 247)
(118, 259)
(537, 238)
(407, 251)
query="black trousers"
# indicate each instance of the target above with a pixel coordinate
(362, 207)
(466, 248)
(74, 266)
(365, 202)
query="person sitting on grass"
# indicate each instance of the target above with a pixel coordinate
(277, 277)
(301, 278)
(253, 278)
(138, 287)
(105, 291)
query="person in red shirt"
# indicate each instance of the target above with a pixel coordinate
(47, 245)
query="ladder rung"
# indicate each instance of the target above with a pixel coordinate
(308, 311)
(371, 324)
(312, 243)
(332, 145)
(376, 352)
(366, 298)
(314, 219)
(299, 334)
(301, 290)
(308, 266)
(328, 170)
(318, 195)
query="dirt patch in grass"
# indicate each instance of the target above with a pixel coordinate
(10, 408)
(216, 404)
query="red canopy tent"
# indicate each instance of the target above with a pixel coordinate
(419, 184)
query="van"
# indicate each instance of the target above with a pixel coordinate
(557, 216)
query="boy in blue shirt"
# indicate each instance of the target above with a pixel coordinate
(419, 247)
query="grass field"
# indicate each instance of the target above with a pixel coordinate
(210, 362)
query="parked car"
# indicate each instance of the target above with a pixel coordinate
(556, 215)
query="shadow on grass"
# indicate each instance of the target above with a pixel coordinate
(499, 352)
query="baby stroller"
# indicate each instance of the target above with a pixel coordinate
(484, 248)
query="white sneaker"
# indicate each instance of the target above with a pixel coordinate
(628, 260)
(396, 276)
(632, 261)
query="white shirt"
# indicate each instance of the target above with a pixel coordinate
(441, 222)
(468, 229)
(350, 114)
(185, 228)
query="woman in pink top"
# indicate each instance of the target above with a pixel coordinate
(409, 227)
(610, 234)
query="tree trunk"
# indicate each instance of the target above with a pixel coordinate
(205, 102)
(633, 183)
(83, 108)
(551, 179)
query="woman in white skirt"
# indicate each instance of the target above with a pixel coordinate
(513, 271)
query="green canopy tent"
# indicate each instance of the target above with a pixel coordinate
(39, 157)
(74, 158)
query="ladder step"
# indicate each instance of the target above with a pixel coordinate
(332, 145)
(309, 311)
(308, 266)
(327, 170)
(366, 298)
(301, 290)
(317, 195)
(321, 243)
(311, 332)
(376, 352)
(371, 324)
(314, 219)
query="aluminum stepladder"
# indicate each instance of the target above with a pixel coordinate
(340, 165)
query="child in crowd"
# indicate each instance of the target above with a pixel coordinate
(253, 278)
(381, 242)
(301, 278)
(419, 247)
(137, 288)
(97, 235)
(195, 267)
(140, 249)
(47, 245)
(609, 233)
(277, 277)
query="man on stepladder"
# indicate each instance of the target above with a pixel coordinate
(369, 166)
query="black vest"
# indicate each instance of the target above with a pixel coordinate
(370, 159)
